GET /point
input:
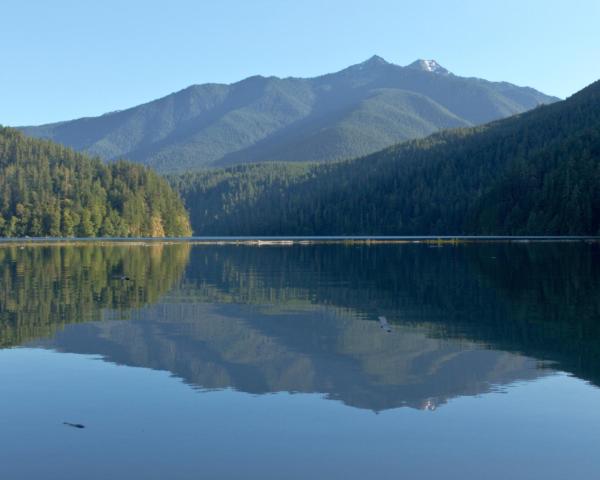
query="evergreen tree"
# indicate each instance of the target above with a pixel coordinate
(535, 173)
(49, 190)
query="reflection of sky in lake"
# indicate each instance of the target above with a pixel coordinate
(142, 423)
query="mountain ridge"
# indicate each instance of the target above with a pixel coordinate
(353, 112)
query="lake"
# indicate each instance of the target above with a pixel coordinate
(388, 361)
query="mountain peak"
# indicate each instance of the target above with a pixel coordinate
(428, 66)
(376, 59)
(373, 61)
(340, 115)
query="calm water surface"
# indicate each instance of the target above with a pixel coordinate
(190, 362)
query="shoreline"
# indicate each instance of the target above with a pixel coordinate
(290, 241)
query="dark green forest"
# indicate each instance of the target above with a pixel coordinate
(533, 173)
(50, 190)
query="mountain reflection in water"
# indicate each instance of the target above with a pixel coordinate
(312, 351)
(464, 320)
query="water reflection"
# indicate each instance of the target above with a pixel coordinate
(314, 350)
(462, 320)
(541, 300)
(44, 288)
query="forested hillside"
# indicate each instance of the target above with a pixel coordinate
(354, 112)
(50, 190)
(535, 173)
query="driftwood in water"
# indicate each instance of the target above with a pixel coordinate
(383, 323)
(74, 425)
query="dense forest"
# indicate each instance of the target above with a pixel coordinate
(50, 190)
(534, 173)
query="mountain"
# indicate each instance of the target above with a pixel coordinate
(353, 112)
(534, 173)
(50, 190)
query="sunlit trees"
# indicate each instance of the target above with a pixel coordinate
(49, 190)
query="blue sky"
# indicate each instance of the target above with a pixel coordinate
(67, 59)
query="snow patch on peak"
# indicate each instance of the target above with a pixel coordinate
(429, 66)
